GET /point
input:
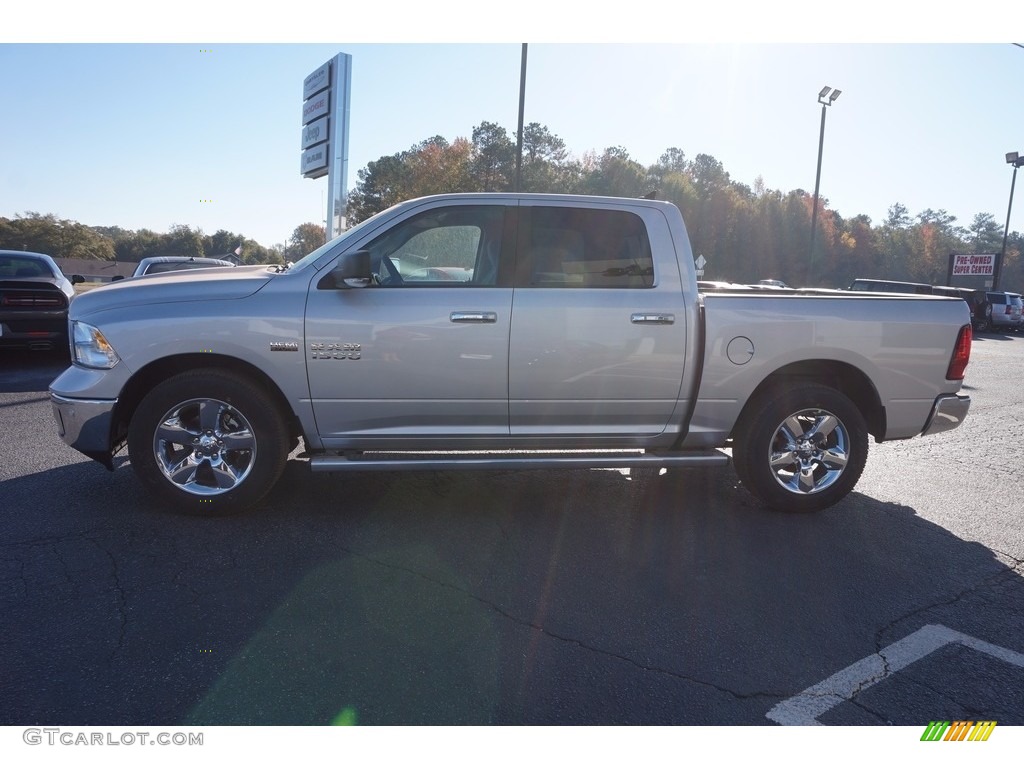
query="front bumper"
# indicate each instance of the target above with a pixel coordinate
(948, 413)
(85, 426)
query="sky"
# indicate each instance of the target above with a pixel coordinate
(195, 119)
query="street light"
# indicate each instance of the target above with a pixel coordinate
(826, 96)
(1014, 159)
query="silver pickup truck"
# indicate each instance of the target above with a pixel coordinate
(500, 331)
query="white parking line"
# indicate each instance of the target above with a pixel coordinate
(806, 707)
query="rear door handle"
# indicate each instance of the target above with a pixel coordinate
(652, 318)
(473, 317)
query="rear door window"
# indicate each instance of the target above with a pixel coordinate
(565, 247)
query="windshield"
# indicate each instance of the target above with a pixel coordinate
(311, 257)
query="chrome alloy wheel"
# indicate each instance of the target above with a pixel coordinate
(204, 447)
(809, 451)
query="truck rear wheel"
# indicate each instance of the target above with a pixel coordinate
(208, 442)
(802, 449)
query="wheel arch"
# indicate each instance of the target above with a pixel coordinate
(143, 381)
(843, 377)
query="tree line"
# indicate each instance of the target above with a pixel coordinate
(64, 238)
(745, 233)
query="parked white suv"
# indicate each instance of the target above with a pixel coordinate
(1018, 302)
(999, 310)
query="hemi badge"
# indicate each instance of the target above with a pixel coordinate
(284, 346)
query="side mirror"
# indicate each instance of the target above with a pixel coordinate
(76, 279)
(353, 270)
(115, 278)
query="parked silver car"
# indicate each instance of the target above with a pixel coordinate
(156, 264)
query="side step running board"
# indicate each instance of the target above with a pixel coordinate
(498, 460)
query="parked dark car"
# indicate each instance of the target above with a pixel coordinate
(34, 300)
(952, 290)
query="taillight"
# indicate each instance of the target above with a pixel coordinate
(961, 355)
(31, 301)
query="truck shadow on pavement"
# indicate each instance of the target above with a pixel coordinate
(30, 371)
(555, 597)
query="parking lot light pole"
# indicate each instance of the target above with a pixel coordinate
(519, 133)
(1014, 159)
(825, 97)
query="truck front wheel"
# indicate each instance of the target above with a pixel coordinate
(208, 442)
(802, 449)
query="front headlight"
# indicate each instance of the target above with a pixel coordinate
(89, 347)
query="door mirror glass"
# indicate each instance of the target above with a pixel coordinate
(353, 270)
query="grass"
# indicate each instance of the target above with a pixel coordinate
(85, 287)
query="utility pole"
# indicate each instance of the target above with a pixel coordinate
(519, 133)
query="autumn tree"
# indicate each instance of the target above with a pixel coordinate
(935, 237)
(305, 239)
(60, 238)
(433, 166)
(614, 173)
(438, 167)
(182, 240)
(493, 160)
(672, 160)
(137, 245)
(985, 235)
(221, 243)
(547, 166)
(382, 183)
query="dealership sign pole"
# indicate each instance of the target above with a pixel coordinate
(325, 116)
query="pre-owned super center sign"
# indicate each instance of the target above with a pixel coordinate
(974, 265)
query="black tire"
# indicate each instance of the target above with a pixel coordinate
(802, 448)
(208, 442)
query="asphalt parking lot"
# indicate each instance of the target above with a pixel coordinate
(544, 597)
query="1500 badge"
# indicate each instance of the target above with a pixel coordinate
(336, 351)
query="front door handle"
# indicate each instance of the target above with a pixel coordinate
(474, 317)
(652, 318)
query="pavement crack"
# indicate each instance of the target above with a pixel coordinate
(497, 609)
(16, 574)
(865, 708)
(1004, 573)
(122, 600)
